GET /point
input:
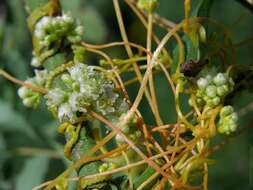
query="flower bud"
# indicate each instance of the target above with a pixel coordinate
(226, 110)
(211, 91)
(220, 79)
(23, 92)
(216, 101)
(148, 5)
(202, 83)
(35, 62)
(32, 101)
(228, 120)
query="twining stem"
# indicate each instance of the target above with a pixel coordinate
(22, 83)
(205, 182)
(81, 161)
(89, 159)
(132, 165)
(149, 69)
(112, 44)
(157, 18)
(151, 80)
(131, 144)
(179, 112)
(130, 52)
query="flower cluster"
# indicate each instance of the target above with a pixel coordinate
(213, 89)
(228, 120)
(51, 30)
(85, 89)
(30, 97)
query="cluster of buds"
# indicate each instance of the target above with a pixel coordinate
(31, 98)
(85, 89)
(213, 89)
(228, 120)
(51, 30)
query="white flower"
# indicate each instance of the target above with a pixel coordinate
(211, 91)
(39, 27)
(220, 79)
(202, 83)
(79, 30)
(55, 97)
(41, 76)
(66, 113)
(35, 62)
(67, 18)
(76, 72)
(77, 102)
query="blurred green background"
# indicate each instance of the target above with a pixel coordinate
(31, 149)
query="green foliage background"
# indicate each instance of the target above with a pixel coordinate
(21, 127)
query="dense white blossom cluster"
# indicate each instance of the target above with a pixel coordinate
(86, 89)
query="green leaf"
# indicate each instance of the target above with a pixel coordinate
(11, 120)
(94, 26)
(33, 173)
(55, 61)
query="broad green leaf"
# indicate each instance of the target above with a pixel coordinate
(11, 120)
(16, 64)
(94, 26)
(55, 61)
(93, 22)
(33, 173)
(19, 31)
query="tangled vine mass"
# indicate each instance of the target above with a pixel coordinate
(110, 144)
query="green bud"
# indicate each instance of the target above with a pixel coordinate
(148, 5)
(221, 91)
(190, 102)
(211, 91)
(200, 101)
(107, 167)
(66, 79)
(220, 79)
(202, 83)
(35, 62)
(216, 101)
(234, 117)
(23, 92)
(79, 30)
(226, 110)
(202, 34)
(32, 101)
